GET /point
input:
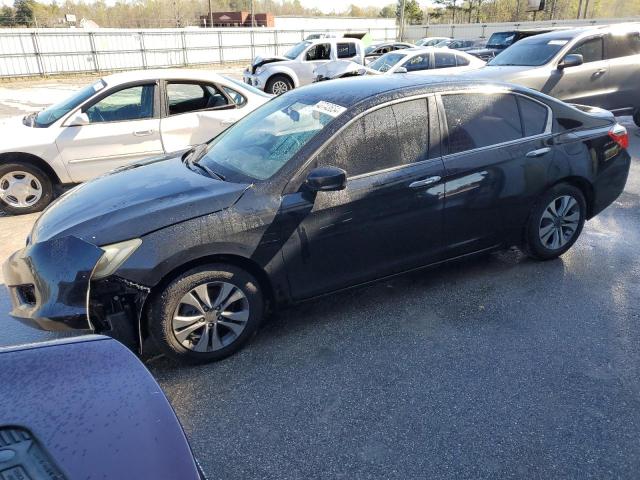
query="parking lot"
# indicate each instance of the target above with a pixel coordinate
(497, 367)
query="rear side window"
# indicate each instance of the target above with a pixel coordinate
(444, 60)
(591, 50)
(417, 63)
(478, 120)
(346, 50)
(385, 138)
(623, 45)
(534, 116)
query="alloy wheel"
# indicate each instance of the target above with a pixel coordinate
(559, 222)
(20, 189)
(280, 87)
(211, 316)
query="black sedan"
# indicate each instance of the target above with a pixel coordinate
(320, 189)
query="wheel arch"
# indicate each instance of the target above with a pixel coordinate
(287, 73)
(31, 159)
(236, 260)
(585, 187)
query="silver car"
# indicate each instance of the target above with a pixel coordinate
(596, 66)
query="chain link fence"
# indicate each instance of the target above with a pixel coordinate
(43, 52)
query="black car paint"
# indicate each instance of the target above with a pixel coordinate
(71, 399)
(301, 244)
(488, 52)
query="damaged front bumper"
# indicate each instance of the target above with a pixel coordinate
(50, 288)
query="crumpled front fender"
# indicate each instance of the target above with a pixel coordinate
(49, 281)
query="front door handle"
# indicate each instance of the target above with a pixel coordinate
(600, 71)
(425, 182)
(143, 133)
(538, 153)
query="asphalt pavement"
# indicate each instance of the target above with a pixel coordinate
(497, 367)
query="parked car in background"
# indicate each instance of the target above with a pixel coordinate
(499, 41)
(116, 120)
(277, 75)
(456, 44)
(430, 41)
(377, 50)
(316, 36)
(86, 407)
(418, 60)
(321, 189)
(597, 66)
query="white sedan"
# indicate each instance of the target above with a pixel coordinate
(116, 120)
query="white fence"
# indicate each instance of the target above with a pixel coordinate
(484, 30)
(40, 52)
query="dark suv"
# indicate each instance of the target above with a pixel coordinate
(499, 41)
(320, 189)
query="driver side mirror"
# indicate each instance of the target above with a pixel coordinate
(571, 60)
(78, 119)
(401, 70)
(326, 179)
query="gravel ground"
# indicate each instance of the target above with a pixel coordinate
(499, 367)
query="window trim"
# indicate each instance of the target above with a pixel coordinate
(444, 127)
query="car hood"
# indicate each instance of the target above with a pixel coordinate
(16, 136)
(505, 73)
(259, 61)
(133, 201)
(480, 51)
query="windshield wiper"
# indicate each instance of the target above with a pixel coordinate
(193, 156)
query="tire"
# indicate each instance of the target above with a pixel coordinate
(279, 84)
(183, 338)
(547, 235)
(636, 117)
(24, 188)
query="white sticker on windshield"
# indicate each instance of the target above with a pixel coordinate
(557, 42)
(329, 108)
(98, 86)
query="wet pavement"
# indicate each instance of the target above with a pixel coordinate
(498, 367)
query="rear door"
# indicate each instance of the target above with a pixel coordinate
(622, 50)
(194, 112)
(589, 83)
(389, 217)
(496, 165)
(124, 126)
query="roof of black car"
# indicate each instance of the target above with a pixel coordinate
(577, 31)
(350, 91)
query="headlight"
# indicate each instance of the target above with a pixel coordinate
(114, 256)
(259, 70)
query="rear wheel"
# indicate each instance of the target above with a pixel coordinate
(555, 222)
(279, 84)
(206, 314)
(24, 188)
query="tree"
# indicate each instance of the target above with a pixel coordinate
(6, 16)
(388, 12)
(412, 11)
(23, 11)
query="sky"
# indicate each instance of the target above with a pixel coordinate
(324, 5)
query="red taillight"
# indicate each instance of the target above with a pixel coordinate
(619, 135)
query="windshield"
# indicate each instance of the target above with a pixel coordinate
(501, 40)
(264, 141)
(386, 62)
(529, 53)
(296, 50)
(53, 113)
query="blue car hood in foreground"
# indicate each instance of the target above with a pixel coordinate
(134, 201)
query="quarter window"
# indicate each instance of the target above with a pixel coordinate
(133, 103)
(444, 60)
(591, 50)
(237, 98)
(346, 50)
(322, 51)
(534, 116)
(480, 120)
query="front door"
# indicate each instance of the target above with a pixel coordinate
(389, 217)
(315, 56)
(123, 127)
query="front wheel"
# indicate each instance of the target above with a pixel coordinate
(24, 188)
(278, 84)
(555, 222)
(206, 314)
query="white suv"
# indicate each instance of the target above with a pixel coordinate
(278, 75)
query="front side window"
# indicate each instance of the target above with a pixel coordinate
(476, 120)
(444, 60)
(133, 103)
(417, 63)
(623, 45)
(322, 51)
(260, 144)
(591, 50)
(192, 97)
(346, 50)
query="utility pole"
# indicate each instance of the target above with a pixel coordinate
(579, 9)
(253, 14)
(210, 15)
(402, 7)
(586, 7)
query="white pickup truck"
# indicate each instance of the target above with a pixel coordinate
(278, 75)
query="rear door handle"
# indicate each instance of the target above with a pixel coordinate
(425, 182)
(538, 153)
(143, 133)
